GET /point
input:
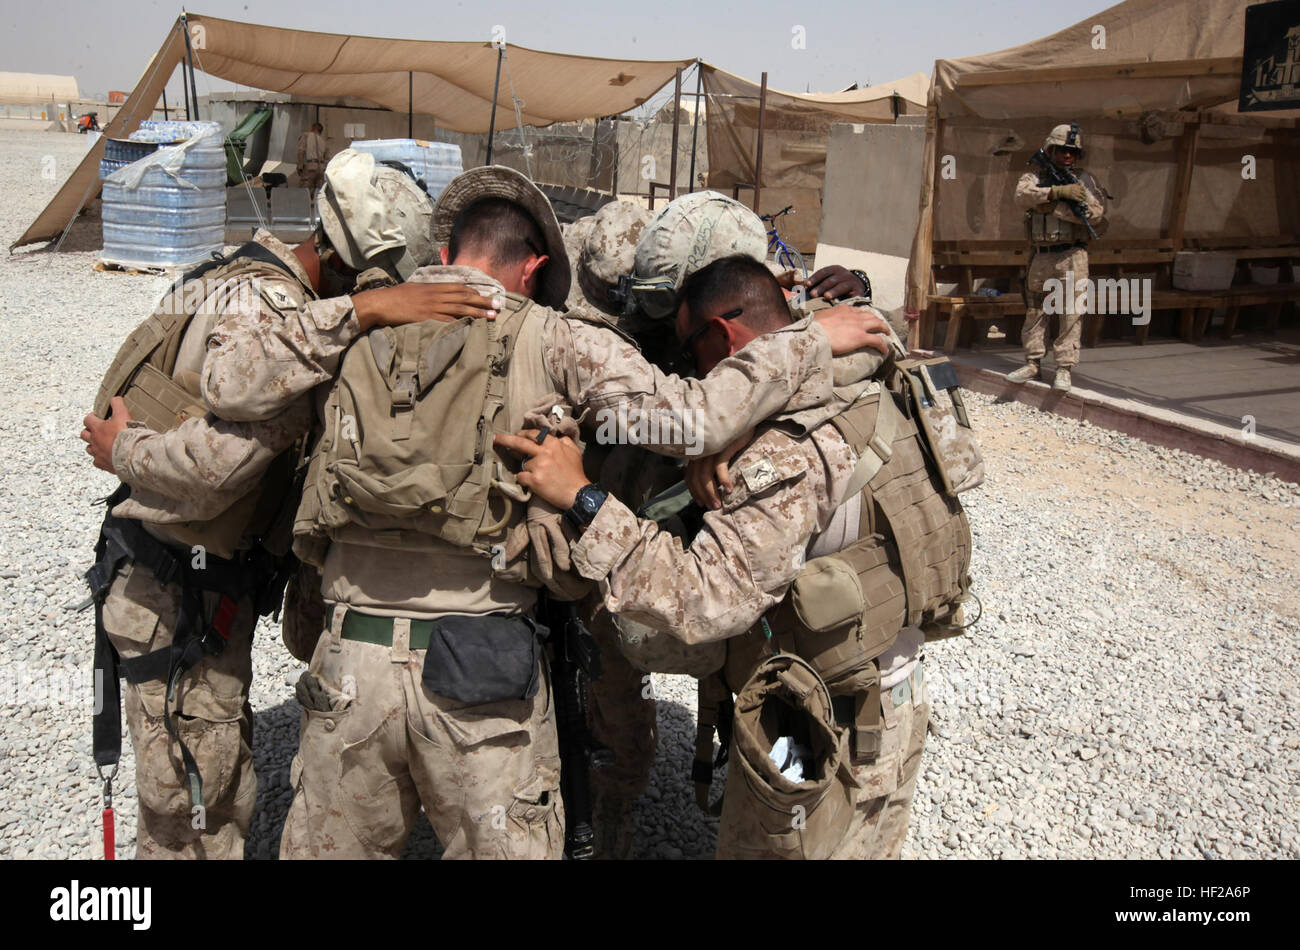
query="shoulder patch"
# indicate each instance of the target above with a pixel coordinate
(759, 475)
(765, 463)
(281, 296)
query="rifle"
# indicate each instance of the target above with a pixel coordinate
(1063, 176)
(575, 659)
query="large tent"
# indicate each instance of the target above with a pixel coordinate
(22, 88)
(1154, 86)
(452, 81)
(795, 128)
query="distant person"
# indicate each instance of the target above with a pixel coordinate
(1058, 249)
(312, 156)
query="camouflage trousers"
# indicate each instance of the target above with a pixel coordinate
(312, 177)
(1061, 266)
(212, 717)
(882, 798)
(622, 715)
(488, 775)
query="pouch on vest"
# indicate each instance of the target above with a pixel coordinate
(940, 413)
(786, 699)
(844, 610)
(483, 659)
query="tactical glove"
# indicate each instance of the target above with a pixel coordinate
(1074, 192)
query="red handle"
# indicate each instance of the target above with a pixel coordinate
(110, 849)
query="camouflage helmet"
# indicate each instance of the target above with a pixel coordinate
(608, 252)
(1065, 136)
(574, 234)
(376, 216)
(690, 233)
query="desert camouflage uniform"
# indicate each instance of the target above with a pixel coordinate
(194, 473)
(501, 755)
(1059, 265)
(740, 565)
(621, 709)
(312, 158)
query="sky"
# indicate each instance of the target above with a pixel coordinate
(106, 45)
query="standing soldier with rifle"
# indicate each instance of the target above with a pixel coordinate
(1061, 206)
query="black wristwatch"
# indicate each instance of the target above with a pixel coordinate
(590, 498)
(866, 282)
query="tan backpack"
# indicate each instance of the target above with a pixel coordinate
(406, 451)
(143, 372)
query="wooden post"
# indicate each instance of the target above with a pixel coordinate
(410, 104)
(1183, 182)
(758, 148)
(677, 124)
(695, 126)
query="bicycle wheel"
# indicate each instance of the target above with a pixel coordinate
(792, 259)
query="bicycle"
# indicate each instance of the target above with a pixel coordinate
(784, 254)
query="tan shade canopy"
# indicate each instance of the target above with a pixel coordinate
(451, 81)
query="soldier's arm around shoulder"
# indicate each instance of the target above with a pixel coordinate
(738, 566)
(597, 369)
(199, 469)
(271, 347)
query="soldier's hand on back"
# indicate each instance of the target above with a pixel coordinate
(552, 470)
(834, 282)
(416, 302)
(710, 476)
(852, 328)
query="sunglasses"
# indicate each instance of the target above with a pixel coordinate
(688, 344)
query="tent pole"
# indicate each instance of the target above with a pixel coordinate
(189, 58)
(695, 126)
(677, 124)
(410, 97)
(758, 149)
(496, 86)
(165, 116)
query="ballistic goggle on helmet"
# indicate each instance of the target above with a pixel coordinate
(376, 215)
(690, 233)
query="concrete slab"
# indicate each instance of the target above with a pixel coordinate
(1202, 397)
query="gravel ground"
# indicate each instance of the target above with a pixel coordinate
(1129, 693)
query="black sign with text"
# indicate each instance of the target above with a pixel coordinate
(1270, 58)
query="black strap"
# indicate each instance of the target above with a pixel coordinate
(195, 635)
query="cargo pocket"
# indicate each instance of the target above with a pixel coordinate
(138, 614)
(161, 782)
(534, 826)
(376, 796)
